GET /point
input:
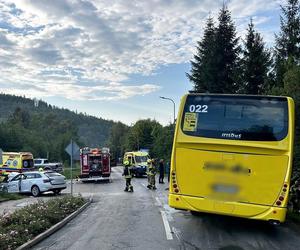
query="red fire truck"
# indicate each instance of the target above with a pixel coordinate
(95, 164)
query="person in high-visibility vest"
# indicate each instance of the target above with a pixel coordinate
(128, 176)
(151, 172)
(3, 176)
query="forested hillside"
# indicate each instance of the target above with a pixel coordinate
(28, 125)
(42, 129)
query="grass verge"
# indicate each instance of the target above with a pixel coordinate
(26, 223)
(67, 172)
(7, 196)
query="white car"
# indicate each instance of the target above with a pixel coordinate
(36, 183)
(46, 165)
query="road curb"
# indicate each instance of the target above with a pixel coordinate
(54, 228)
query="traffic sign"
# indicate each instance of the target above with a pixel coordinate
(1, 161)
(73, 150)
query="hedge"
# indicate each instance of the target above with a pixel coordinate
(26, 223)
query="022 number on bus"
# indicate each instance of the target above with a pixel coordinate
(198, 108)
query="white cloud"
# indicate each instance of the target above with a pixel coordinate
(87, 49)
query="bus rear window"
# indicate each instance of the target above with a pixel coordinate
(248, 118)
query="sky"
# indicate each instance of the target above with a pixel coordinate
(112, 58)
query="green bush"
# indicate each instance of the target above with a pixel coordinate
(26, 223)
(75, 171)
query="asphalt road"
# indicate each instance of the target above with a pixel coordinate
(143, 220)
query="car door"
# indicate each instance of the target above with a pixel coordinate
(27, 182)
(14, 184)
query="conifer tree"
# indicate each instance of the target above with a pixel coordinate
(202, 73)
(288, 40)
(227, 52)
(255, 63)
(214, 68)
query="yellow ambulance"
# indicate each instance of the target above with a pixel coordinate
(16, 162)
(138, 160)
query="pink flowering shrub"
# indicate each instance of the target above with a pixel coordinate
(26, 223)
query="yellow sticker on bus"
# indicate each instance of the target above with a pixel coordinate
(190, 122)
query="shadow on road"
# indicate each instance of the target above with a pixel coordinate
(238, 225)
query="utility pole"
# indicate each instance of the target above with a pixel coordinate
(72, 167)
(166, 98)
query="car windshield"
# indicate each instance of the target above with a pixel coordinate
(140, 159)
(37, 161)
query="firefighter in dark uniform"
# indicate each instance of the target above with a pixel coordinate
(128, 176)
(151, 174)
(161, 171)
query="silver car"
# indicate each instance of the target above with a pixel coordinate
(5, 180)
(36, 183)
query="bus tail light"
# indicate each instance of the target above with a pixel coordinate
(282, 194)
(174, 183)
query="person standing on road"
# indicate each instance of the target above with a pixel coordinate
(168, 170)
(161, 171)
(151, 174)
(128, 176)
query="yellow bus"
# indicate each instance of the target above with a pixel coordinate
(16, 162)
(232, 155)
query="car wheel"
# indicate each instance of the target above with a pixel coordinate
(35, 191)
(57, 192)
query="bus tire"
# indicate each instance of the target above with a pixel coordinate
(35, 191)
(195, 213)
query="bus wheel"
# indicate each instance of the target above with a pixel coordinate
(274, 222)
(195, 213)
(35, 191)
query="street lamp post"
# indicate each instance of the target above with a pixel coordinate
(166, 98)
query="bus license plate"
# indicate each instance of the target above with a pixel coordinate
(225, 189)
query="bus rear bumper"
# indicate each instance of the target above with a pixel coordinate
(237, 209)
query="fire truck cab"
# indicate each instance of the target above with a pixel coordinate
(95, 164)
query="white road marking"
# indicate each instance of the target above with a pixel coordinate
(177, 233)
(158, 202)
(167, 226)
